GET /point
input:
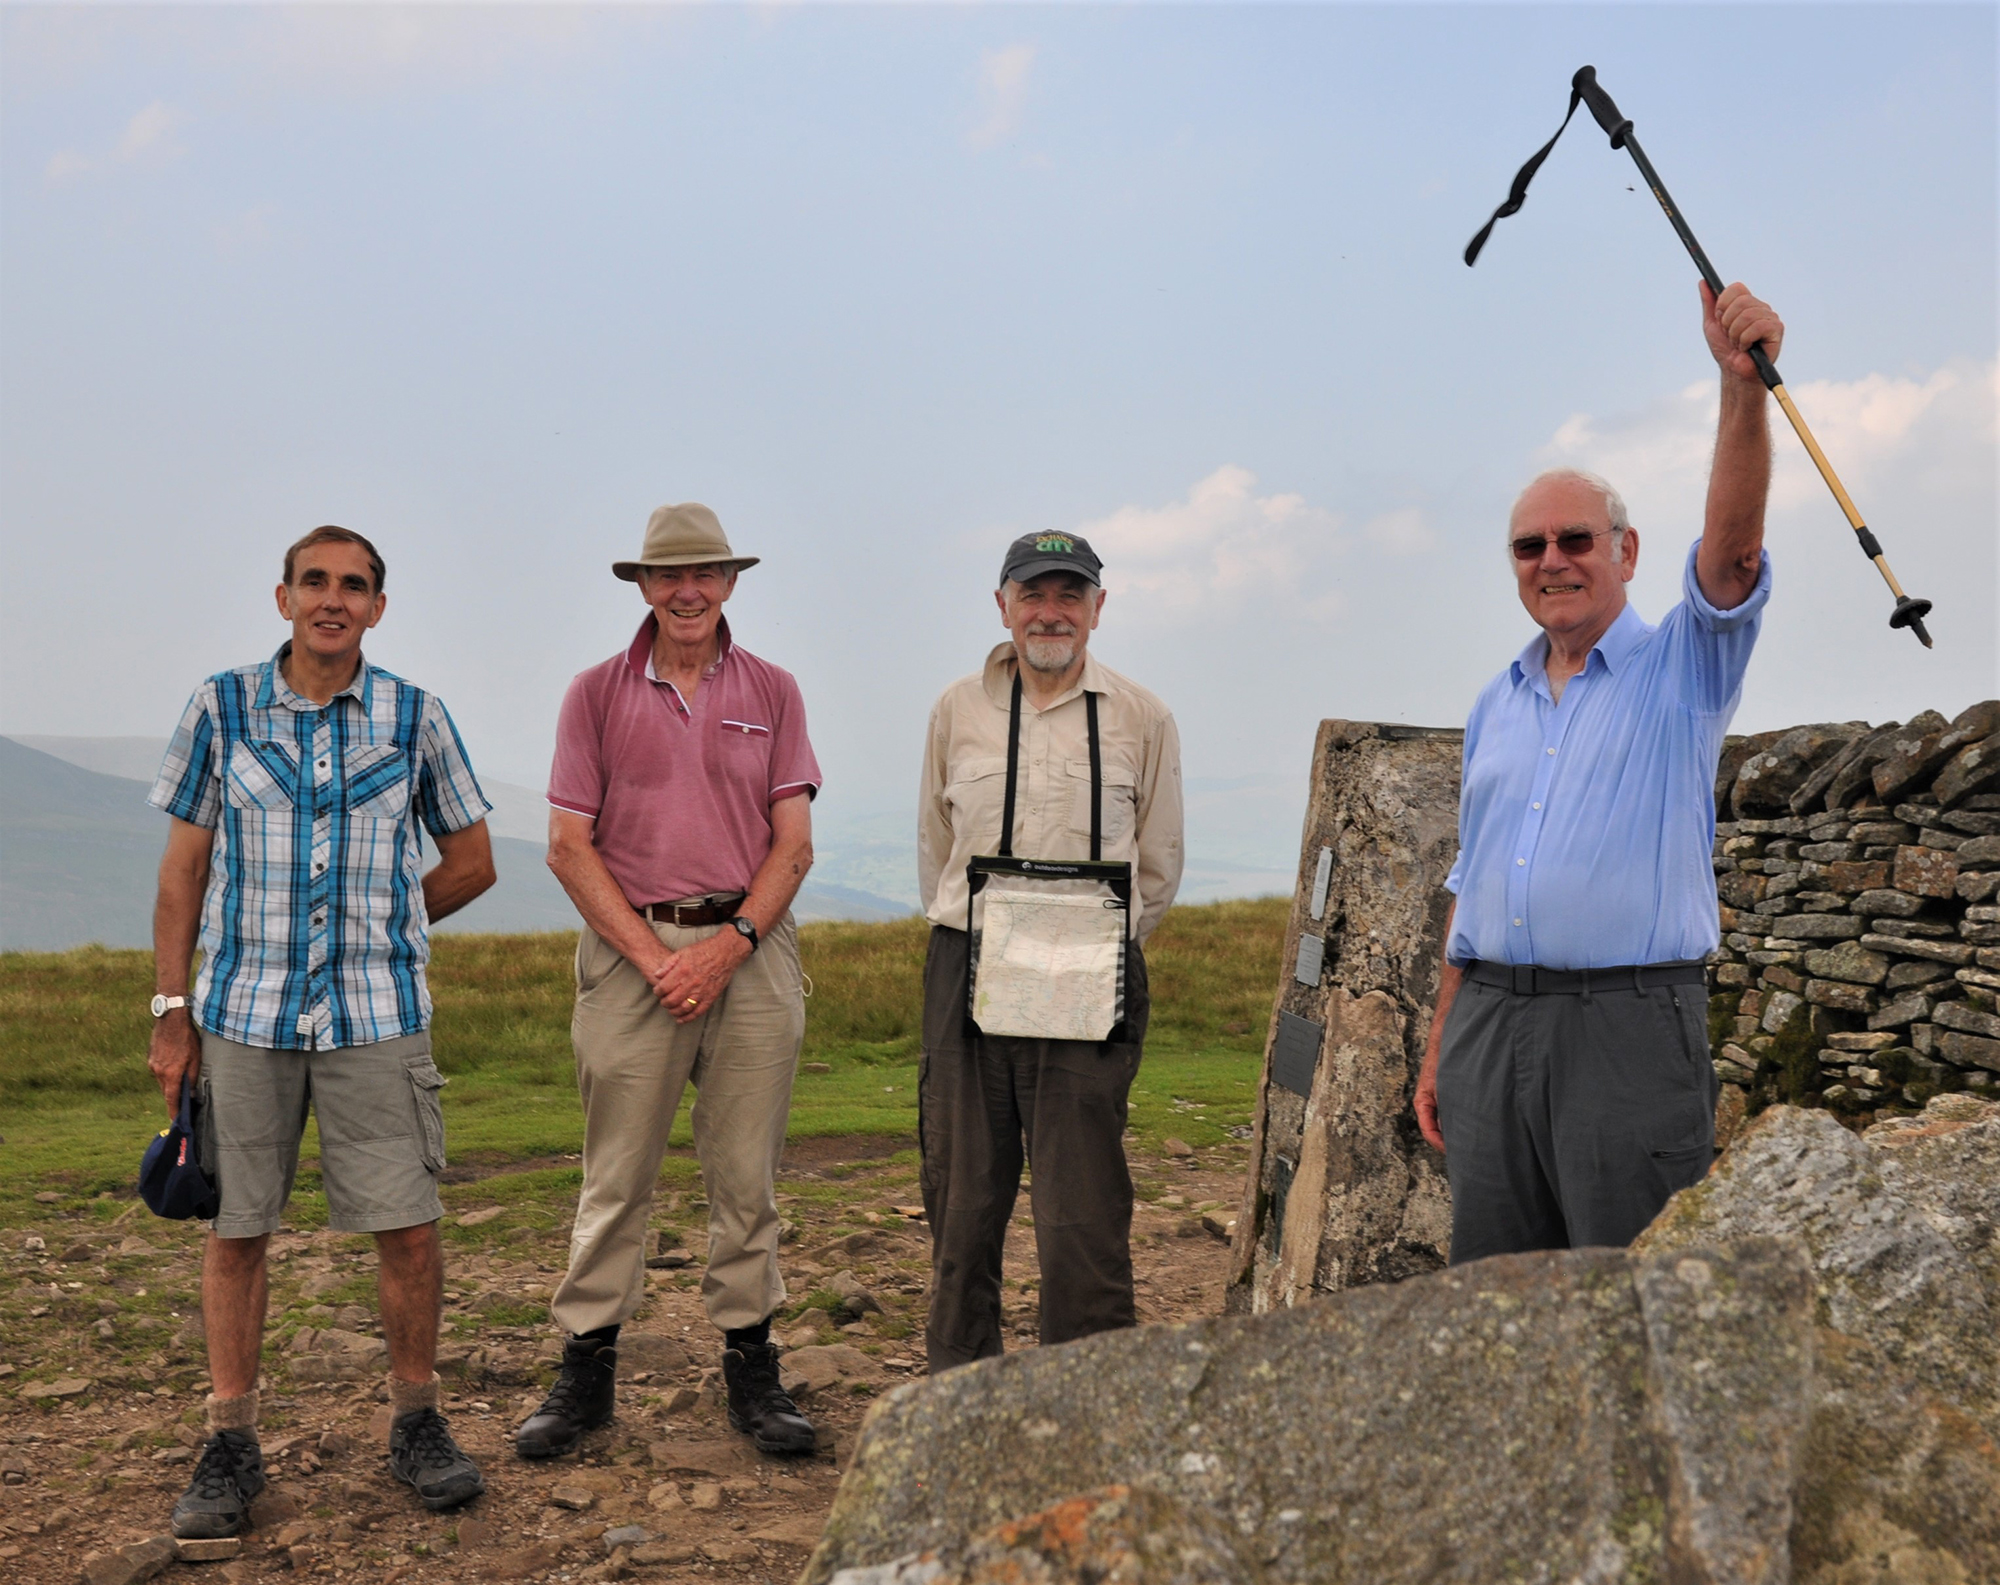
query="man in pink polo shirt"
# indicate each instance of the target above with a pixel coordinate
(680, 824)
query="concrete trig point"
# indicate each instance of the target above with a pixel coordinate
(1342, 1189)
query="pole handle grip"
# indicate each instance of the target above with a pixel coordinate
(1584, 85)
(1767, 371)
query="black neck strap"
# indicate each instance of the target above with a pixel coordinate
(1013, 771)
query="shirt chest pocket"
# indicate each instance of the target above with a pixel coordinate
(1121, 798)
(259, 775)
(377, 779)
(974, 790)
(746, 752)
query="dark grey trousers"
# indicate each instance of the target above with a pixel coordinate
(1569, 1120)
(985, 1105)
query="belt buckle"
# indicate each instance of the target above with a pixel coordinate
(1523, 977)
(698, 905)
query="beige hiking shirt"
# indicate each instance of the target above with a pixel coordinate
(965, 784)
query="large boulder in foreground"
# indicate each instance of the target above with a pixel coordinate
(1544, 1411)
(1788, 1379)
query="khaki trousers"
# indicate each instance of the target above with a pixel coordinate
(632, 1063)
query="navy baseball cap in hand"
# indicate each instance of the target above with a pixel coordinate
(171, 1180)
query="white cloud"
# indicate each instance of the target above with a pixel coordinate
(1220, 545)
(148, 139)
(1003, 93)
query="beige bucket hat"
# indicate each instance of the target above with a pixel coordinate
(682, 536)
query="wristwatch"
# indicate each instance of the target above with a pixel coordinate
(162, 1005)
(745, 929)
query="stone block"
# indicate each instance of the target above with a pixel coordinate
(1909, 1008)
(1779, 1007)
(1913, 753)
(1845, 998)
(1883, 902)
(1781, 977)
(1968, 1051)
(1980, 935)
(1979, 886)
(1860, 1042)
(1981, 853)
(1816, 927)
(1972, 769)
(1732, 974)
(1955, 953)
(1770, 777)
(1849, 961)
(1740, 889)
(1925, 872)
(1964, 1016)
(1857, 876)
(131, 1564)
(1914, 971)
(1879, 833)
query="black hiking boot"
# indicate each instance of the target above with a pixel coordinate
(581, 1399)
(759, 1404)
(217, 1501)
(422, 1453)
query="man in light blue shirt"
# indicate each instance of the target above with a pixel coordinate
(1567, 1078)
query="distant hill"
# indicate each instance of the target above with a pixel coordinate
(80, 852)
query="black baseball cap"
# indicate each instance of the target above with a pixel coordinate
(1034, 554)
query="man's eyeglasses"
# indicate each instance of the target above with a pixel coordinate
(1571, 542)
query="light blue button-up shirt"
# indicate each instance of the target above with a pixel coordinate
(1585, 827)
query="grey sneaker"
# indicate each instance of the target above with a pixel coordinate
(422, 1452)
(217, 1502)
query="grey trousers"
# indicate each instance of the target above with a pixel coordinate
(1569, 1120)
(985, 1105)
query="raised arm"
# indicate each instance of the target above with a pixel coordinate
(1739, 481)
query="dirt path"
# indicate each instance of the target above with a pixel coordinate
(101, 1382)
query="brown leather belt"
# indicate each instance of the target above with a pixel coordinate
(694, 911)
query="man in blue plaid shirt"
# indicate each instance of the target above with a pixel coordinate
(297, 789)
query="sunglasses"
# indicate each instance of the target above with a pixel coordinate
(1571, 542)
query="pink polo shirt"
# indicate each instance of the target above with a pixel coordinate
(681, 796)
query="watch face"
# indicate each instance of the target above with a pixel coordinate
(159, 1006)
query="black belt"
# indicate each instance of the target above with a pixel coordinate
(1526, 979)
(694, 911)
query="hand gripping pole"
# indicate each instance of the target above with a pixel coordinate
(1584, 89)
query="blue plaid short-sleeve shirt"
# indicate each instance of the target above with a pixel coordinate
(313, 930)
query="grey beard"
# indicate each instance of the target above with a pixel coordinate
(1049, 652)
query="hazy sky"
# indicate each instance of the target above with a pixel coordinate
(889, 286)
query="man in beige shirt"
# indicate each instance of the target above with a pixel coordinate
(989, 1102)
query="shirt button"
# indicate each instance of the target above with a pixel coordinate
(1537, 806)
(1520, 861)
(1517, 924)
(1552, 751)
(318, 866)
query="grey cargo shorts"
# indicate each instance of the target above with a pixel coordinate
(381, 1132)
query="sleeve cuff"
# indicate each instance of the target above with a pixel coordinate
(1737, 616)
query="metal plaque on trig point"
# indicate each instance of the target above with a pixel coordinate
(1322, 874)
(1295, 1053)
(1312, 957)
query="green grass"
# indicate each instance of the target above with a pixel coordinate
(77, 1105)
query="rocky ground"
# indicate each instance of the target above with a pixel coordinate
(102, 1378)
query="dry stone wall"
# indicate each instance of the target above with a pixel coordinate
(1858, 877)
(1858, 882)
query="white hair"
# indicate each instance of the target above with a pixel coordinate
(1614, 503)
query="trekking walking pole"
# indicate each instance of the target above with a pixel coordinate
(1584, 88)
